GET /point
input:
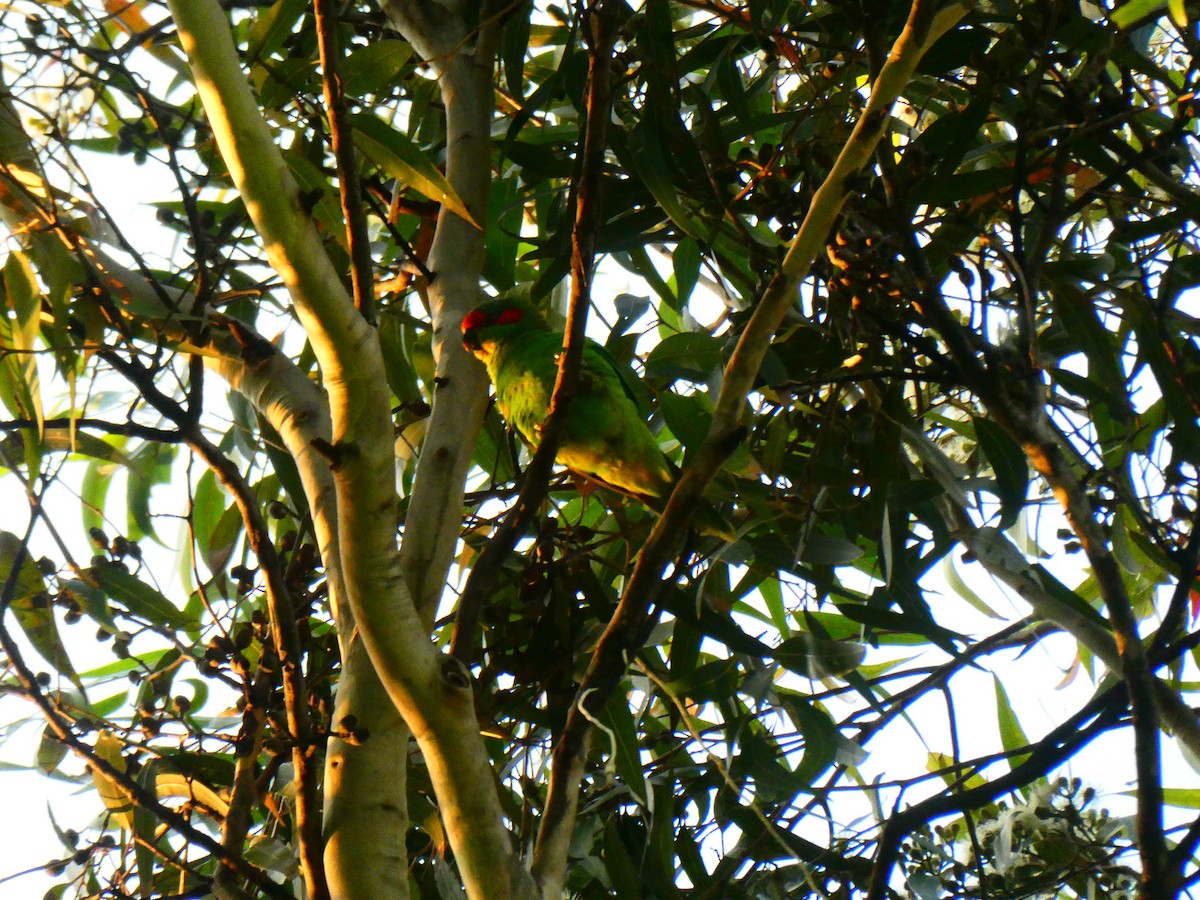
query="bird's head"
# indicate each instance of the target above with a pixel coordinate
(493, 321)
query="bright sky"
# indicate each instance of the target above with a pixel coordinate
(1035, 681)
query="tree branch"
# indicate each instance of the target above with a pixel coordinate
(137, 794)
(1004, 562)
(261, 175)
(586, 227)
(629, 625)
(432, 692)
(127, 429)
(1013, 401)
(1013, 398)
(349, 186)
(456, 258)
(1060, 744)
(365, 793)
(286, 638)
(285, 635)
(242, 797)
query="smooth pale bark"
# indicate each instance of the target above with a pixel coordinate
(365, 796)
(432, 692)
(365, 785)
(460, 398)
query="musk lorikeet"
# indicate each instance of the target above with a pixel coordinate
(604, 437)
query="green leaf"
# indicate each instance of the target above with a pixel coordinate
(713, 680)
(625, 749)
(772, 594)
(1010, 466)
(646, 157)
(817, 658)
(1068, 597)
(514, 44)
(950, 136)
(660, 852)
(401, 377)
(1127, 14)
(1186, 798)
(161, 776)
(375, 67)
(92, 493)
(397, 154)
(114, 796)
(283, 465)
(271, 27)
(86, 444)
(152, 467)
(208, 504)
(20, 386)
(820, 736)
(24, 300)
(621, 867)
(949, 190)
(1083, 327)
(691, 356)
(689, 417)
(901, 622)
(109, 705)
(122, 667)
(630, 308)
(33, 609)
(960, 587)
(140, 599)
(761, 761)
(51, 751)
(1012, 737)
(29, 580)
(821, 549)
(503, 247)
(952, 774)
(326, 206)
(92, 600)
(685, 263)
(637, 260)
(685, 416)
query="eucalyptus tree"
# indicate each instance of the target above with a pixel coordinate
(907, 291)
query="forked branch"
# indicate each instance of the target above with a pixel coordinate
(629, 625)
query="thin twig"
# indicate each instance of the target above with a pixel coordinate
(244, 791)
(629, 624)
(286, 638)
(285, 635)
(598, 27)
(583, 243)
(136, 793)
(349, 186)
(127, 429)
(1063, 742)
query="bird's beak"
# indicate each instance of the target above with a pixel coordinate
(471, 341)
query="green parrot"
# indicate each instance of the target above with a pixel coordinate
(604, 437)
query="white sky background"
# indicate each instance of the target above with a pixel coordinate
(1034, 680)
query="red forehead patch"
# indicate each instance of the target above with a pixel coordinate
(473, 320)
(477, 318)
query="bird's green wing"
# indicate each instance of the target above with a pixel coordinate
(630, 383)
